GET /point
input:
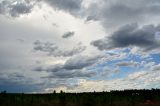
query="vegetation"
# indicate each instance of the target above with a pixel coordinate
(113, 98)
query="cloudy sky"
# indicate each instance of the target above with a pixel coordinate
(79, 45)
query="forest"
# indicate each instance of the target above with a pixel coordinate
(133, 97)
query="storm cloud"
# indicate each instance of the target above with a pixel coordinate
(130, 36)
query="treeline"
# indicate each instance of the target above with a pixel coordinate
(113, 98)
(131, 92)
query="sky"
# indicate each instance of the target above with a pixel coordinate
(79, 45)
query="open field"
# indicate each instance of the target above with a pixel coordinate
(113, 98)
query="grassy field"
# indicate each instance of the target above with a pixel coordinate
(113, 98)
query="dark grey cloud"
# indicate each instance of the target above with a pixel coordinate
(71, 6)
(68, 34)
(74, 63)
(16, 8)
(52, 68)
(71, 74)
(80, 62)
(130, 36)
(113, 13)
(17, 82)
(110, 13)
(73, 68)
(13, 77)
(53, 50)
(126, 64)
(20, 8)
(13, 87)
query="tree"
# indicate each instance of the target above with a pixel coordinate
(61, 91)
(54, 91)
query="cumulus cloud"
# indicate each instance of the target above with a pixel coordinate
(52, 49)
(68, 34)
(130, 36)
(16, 8)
